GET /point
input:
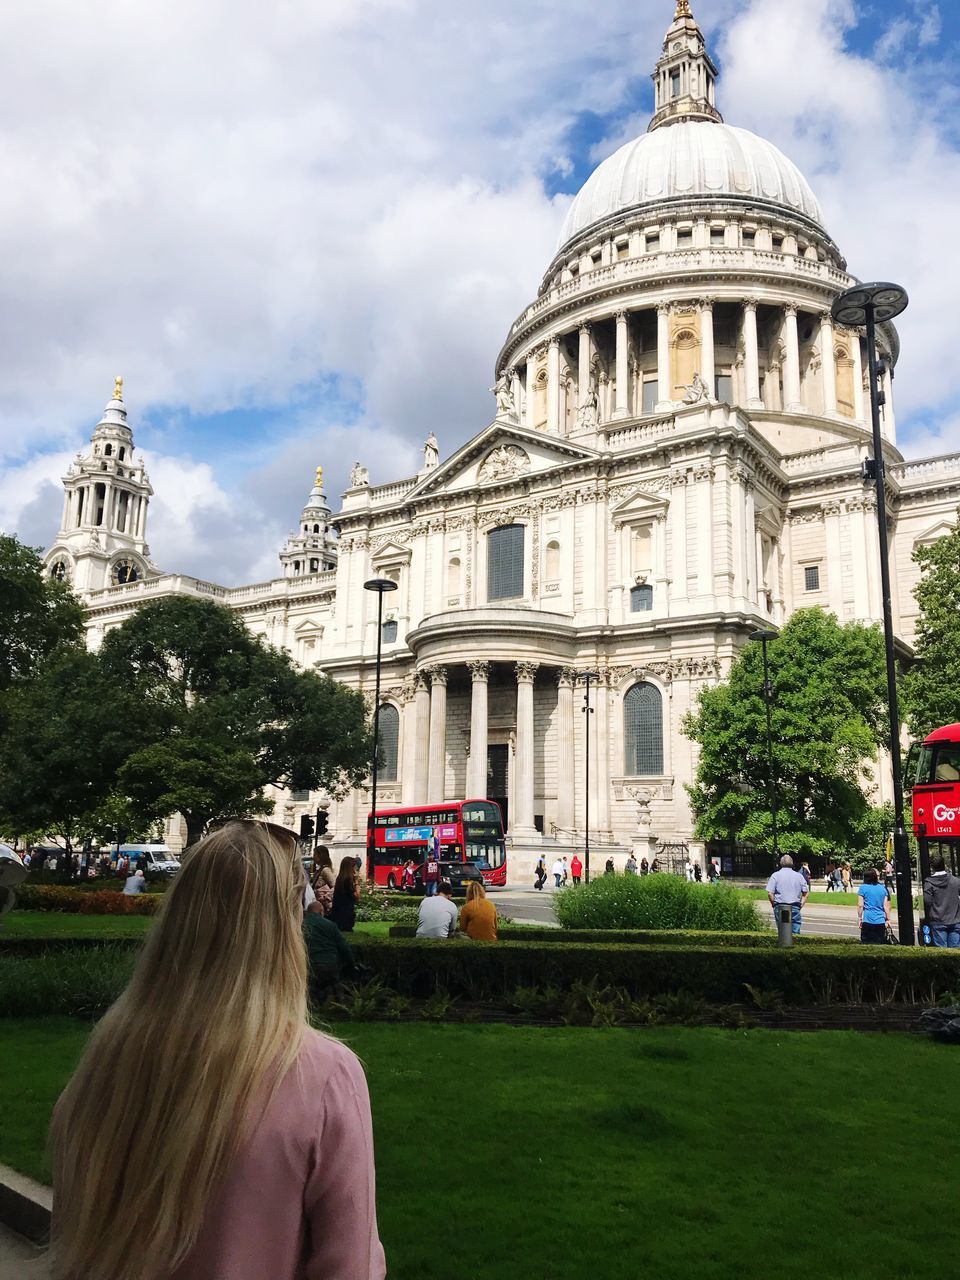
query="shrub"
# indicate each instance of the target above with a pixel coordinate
(655, 902)
(80, 983)
(73, 901)
(652, 937)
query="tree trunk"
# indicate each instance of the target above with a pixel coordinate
(195, 824)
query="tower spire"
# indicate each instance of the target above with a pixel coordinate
(685, 77)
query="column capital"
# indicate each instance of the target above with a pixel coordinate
(586, 328)
(664, 309)
(438, 675)
(420, 681)
(554, 341)
(791, 309)
(825, 317)
(707, 304)
(526, 672)
(566, 677)
(479, 671)
(751, 304)
(621, 315)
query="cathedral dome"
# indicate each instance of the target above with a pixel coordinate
(699, 160)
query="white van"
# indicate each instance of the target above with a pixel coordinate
(153, 857)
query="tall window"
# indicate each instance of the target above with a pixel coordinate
(389, 630)
(641, 598)
(723, 385)
(389, 741)
(552, 561)
(811, 577)
(505, 563)
(453, 576)
(643, 731)
(649, 404)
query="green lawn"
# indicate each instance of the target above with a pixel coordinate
(56, 924)
(820, 896)
(569, 1154)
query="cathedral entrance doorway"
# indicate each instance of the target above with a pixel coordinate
(498, 762)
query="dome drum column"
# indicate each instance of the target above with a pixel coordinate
(621, 409)
(791, 366)
(751, 355)
(553, 386)
(708, 369)
(828, 364)
(664, 389)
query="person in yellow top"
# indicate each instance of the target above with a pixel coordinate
(478, 915)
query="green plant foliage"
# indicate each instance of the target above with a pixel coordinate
(101, 902)
(930, 691)
(38, 614)
(828, 711)
(80, 982)
(654, 902)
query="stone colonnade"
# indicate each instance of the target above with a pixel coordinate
(544, 364)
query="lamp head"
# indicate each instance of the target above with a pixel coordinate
(588, 675)
(763, 635)
(380, 585)
(887, 301)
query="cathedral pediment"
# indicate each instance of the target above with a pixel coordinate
(638, 504)
(501, 454)
(390, 552)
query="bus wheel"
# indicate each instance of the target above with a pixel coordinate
(391, 881)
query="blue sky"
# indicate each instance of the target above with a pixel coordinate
(302, 238)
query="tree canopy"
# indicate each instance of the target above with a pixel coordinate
(37, 613)
(222, 716)
(828, 707)
(931, 688)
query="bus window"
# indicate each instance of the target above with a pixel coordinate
(947, 764)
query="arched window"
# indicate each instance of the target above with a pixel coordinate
(296, 566)
(643, 731)
(314, 566)
(316, 528)
(108, 450)
(505, 563)
(551, 568)
(453, 576)
(389, 741)
(121, 453)
(641, 598)
(58, 571)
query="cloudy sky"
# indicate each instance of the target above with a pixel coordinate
(301, 230)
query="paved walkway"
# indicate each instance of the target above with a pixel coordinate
(15, 1254)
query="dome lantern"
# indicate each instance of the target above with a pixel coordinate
(685, 77)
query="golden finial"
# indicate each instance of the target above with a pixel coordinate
(118, 388)
(319, 477)
(683, 10)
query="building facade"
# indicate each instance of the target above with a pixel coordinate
(675, 460)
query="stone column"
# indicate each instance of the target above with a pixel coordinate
(583, 374)
(522, 821)
(791, 364)
(664, 377)
(678, 535)
(602, 760)
(408, 754)
(857, 355)
(528, 392)
(750, 521)
(565, 753)
(889, 419)
(553, 385)
(436, 771)
(514, 377)
(828, 364)
(421, 757)
(477, 764)
(623, 366)
(708, 371)
(751, 355)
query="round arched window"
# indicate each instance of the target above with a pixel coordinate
(59, 571)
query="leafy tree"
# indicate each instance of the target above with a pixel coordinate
(222, 716)
(37, 613)
(828, 720)
(931, 689)
(66, 732)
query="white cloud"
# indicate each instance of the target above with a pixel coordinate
(229, 202)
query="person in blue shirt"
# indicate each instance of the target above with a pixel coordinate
(873, 908)
(788, 888)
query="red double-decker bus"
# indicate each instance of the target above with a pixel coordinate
(466, 831)
(933, 773)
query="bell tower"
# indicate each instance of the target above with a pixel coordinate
(313, 548)
(685, 78)
(102, 538)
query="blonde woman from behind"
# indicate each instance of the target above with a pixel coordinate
(478, 915)
(208, 1133)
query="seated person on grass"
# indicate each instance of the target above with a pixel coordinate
(328, 951)
(437, 917)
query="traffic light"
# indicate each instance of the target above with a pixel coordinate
(323, 820)
(306, 826)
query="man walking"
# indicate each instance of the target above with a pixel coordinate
(431, 873)
(941, 902)
(558, 872)
(788, 888)
(576, 868)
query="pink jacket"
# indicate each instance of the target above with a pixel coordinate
(299, 1202)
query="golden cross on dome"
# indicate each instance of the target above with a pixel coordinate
(118, 388)
(683, 10)
(319, 477)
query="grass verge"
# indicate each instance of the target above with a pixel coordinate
(578, 1153)
(52, 924)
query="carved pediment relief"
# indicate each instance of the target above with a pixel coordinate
(390, 552)
(504, 462)
(638, 504)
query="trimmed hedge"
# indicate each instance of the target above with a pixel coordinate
(83, 980)
(72, 901)
(655, 902)
(652, 937)
(824, 974)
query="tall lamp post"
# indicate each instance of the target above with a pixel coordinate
(866, 306)
(587, 710)
(381, 586)
(772, 790)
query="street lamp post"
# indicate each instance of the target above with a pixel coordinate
(864, 306)
(380, 586)
(587, 710)
(772, 790)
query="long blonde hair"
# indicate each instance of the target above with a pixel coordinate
(215, 1012)
(476, 891)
